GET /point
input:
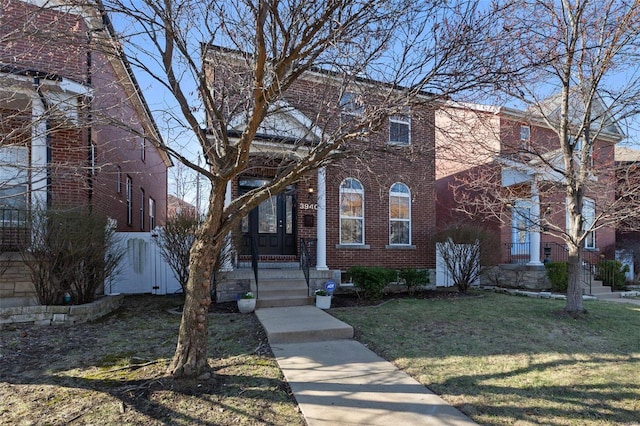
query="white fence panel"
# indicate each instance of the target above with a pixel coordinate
(143, 270)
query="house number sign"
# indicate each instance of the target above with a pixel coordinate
(308, 206)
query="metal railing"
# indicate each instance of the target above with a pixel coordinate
(254, 261)
(15, 229)
(306, 260)
(518, 253)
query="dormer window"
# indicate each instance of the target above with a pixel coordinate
(400, 130)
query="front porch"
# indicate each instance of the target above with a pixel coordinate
(280, 281)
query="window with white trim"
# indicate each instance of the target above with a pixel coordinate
(400, 130)
(14, 177)
(152, 214)
(588, 219)
(525, 136)
(351, 104)
(143, 149)
(399, 214)
(351, 212)
(142, 212)
(129, 195)
(577, 149)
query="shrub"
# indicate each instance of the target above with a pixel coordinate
(413, 278)
(558, 274)
(72, 251)
(371, 279)
(612, 273)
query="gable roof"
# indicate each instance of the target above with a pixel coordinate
(283, 123)
(601, 120)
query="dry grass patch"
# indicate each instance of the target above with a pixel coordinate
(112, 372)
(514, 360)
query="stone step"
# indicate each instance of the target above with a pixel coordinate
(311, 325)
(597, 290)
(280, 301)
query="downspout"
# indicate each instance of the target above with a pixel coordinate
(36, 85)
(91, 155)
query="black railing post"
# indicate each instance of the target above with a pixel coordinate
(254, 261)
(305, 263)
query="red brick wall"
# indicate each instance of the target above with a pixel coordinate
(43, 38)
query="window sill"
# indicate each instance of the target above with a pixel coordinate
(400, 144)
(353, 246)
(400, 247)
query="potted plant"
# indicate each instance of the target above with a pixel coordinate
(246, 303)
(323, 299)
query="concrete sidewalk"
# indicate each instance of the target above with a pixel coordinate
(341, 382)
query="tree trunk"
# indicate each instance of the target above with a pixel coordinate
(190, 358)
(575, 304)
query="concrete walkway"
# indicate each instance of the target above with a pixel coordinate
(338, 381)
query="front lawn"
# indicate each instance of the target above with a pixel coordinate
(112, 372)
(513, 360)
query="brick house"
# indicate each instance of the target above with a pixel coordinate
(510, 159)
(373, 209)
(73, 126)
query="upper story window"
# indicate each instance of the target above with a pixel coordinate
(143, 149)
(129, 195)
(142, 213)
(399, 214)
(119, 180)
(351, 212)
(400, 130)
(578, 147)
(351, 104)
(525, 136)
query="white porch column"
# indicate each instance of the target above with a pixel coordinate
(321, 225)
(227, 251)
(534, 230)
(38, 153)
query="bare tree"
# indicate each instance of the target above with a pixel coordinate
(570, 69)
(228, 68)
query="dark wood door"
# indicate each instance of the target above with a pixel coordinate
(272, 224)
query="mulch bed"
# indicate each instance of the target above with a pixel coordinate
(347, 300)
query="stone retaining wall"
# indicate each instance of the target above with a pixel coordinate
(60, 314)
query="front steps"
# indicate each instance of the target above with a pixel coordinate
(598, 290)
(277, 286)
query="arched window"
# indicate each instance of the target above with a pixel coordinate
(399, 214)
(351, 212)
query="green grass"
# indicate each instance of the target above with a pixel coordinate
(513, 360)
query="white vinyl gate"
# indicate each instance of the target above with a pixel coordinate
(142, 270)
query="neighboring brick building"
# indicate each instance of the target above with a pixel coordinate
(73, 122)
(508, 157)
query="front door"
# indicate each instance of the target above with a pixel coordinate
(520, 224)
(272, 224)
